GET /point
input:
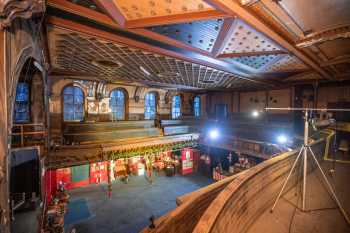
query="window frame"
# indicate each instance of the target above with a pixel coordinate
(26, 102)
(151, 117)
(74, 104)
(199, 106)
(118, 106)
(176, 106)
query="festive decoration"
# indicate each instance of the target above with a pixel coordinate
(149, 150)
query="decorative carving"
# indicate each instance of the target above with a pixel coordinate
(11, 9)
(326, 35)
(137, 94)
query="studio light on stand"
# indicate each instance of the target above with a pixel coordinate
(304, 153)
(282, 139)
(213, 134)
(255, 113)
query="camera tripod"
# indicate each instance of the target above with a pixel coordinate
(306, 150)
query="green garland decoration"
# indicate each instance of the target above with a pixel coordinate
(150, 150)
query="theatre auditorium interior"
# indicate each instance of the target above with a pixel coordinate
(174, 116)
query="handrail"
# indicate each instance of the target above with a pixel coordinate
(24, 132)
(210, 218)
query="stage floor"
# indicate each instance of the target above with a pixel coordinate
(131, 205)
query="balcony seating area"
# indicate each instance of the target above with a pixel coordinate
(86, 133)
(181, 126)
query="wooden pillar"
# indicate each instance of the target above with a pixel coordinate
(4, 195)
(239, 102)
(315, 94)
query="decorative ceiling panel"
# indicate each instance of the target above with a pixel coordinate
(286, 63)
(114, 62)
(201, 34)
(255, 62)
(137, 9)
(242, 38)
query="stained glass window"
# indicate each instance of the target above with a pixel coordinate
(176, 107)
(197, 106)
(22, 103)
(73, 104)
(117, 104)
(150, 106)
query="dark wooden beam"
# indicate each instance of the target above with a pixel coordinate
(222, 35)
(112, 10)
(250, 54)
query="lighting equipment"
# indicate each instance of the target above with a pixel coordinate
(214, 134)
(304, 151)
(282, 139)
(145, 71)
(255, 113)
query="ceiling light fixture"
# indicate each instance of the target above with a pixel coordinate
(145, 71)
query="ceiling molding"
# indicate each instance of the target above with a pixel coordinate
(337, 60)
(338, 32)
(234, 8)
(251, 54)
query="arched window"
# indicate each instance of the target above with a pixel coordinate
(176, 107)
(73, 104)
(150, 106)
(22, 103)
(117, 104)
(197, 106)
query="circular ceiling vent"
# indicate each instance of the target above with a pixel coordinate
(107, 64)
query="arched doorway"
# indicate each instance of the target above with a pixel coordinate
(27, 142)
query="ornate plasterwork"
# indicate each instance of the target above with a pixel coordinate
(326, 35)
(11, 9)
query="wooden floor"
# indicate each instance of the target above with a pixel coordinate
(323, 215)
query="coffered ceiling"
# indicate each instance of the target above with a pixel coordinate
(206, 44)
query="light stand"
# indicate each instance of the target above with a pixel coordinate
(304, 151)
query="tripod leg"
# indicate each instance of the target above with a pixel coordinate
(286, 181)
(304, 177)
(331, 189)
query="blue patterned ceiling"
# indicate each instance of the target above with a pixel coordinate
(255, 62)
(200, 34)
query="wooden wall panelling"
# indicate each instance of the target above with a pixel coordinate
(4, 132)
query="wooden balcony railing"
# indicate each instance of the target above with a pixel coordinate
(28, 134)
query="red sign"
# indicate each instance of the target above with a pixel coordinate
(187, 161)
(98, 172)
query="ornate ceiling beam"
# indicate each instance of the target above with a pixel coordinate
(113, 11)
(337, 60)
(103, 19)
(250, 54)
(326, 35)
(109, 35)
(12, 9)
(234, 8)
